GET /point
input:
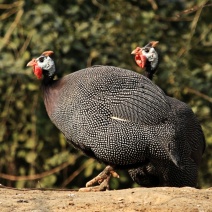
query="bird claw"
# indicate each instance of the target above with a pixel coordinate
(103, 179)
(104, 175)
(102, 187)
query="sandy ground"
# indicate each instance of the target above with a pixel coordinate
(136, 199)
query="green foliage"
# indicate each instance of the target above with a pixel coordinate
(85, 33)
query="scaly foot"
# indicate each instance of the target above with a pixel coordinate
(103, 179)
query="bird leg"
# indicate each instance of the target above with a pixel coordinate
(103, 179)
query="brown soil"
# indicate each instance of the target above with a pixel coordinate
(136, 199)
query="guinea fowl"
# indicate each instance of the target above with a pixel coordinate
(191, 133)
(120, 118)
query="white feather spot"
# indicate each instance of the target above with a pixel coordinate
(118, 119)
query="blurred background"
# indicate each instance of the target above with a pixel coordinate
(33, 153)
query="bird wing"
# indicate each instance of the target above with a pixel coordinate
(138, 101)
(128, 96)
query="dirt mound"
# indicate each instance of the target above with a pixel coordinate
(136, 199)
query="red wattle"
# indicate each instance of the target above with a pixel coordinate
(38, 72)
(140, 60)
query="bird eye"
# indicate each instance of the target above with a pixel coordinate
(41, 59)
(146, 50)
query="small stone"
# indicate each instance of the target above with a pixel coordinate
(71, 195)
(120, 200)
(22, 201)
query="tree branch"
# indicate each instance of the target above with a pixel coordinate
(193, 91)
(36, 176)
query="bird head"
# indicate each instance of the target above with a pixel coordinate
(43, 65)
(146, 55)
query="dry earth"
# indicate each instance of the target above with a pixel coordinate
(136, 199)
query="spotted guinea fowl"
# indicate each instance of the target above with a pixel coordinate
(191, 137)
(119, 118)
